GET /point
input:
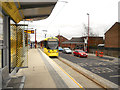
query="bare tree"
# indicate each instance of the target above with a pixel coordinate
(91, 33)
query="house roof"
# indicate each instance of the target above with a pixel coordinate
(117, 23)
(92, 37)
(61, 36)
(74, 40)
(77, 39)
(68, 42)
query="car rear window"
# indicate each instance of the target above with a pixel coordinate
(80, 51)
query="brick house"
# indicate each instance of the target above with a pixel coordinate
(75, 42)
(112, 36)
(61, 39)
(94, 40)
(78, 42)
(112, 43)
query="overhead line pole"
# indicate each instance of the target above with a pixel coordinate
(88, 33)
(59, 38)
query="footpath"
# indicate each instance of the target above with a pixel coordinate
(37, 75)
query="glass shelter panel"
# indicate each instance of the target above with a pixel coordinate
(22, 47)
(13, 45)
(1, 37)
(19, 46)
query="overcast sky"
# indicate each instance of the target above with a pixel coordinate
(68, 18)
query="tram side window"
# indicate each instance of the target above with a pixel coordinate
(45, 44)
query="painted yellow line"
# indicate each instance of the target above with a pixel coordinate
(69, 75)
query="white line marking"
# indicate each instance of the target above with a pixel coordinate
(115, 76)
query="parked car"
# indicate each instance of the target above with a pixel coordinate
(80, 53)
(60, 49)
(67, 51)
(101, 45)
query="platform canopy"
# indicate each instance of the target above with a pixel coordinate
(28, 9)
(37, 9)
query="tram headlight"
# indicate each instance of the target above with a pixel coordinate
(49, 51)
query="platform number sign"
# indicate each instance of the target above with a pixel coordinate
(29, 31)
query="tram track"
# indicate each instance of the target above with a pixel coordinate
(88, 82)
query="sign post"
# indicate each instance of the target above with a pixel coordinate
(35, 39)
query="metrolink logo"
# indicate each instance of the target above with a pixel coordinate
(119, 11)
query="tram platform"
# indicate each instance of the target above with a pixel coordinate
(43, 72)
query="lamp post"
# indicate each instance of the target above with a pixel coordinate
(59, 38)
(88, 34)
(45, 32)
(63, 1)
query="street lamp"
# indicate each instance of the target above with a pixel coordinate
(45, 32)
(88, 34)
(59, 37)
(63, 1)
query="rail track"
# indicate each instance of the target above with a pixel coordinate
(80, 77)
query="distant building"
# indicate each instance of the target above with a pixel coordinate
(79, 43)
(112, 36)
(61, 39)
(77, 39)
(94, 40)
(75, 42)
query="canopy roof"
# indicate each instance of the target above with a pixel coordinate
(36, 9)
(28, 9)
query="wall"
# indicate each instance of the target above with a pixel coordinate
(112, 36)
(72, 46)
(62, 39)
(94, 41)
(115, 52)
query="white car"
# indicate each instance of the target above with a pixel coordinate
(67, 51)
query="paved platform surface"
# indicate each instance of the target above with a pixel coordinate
(37, 75)
(43, 72)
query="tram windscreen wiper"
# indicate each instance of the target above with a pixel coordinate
(52, 44)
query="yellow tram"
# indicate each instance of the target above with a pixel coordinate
(50, 46)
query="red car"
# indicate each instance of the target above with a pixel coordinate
(80, 53)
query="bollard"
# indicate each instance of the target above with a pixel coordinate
(101, 54)
(96, 53)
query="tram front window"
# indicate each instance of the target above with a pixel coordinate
(52, 45)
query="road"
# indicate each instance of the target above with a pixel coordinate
(105, 68)
(81, 79)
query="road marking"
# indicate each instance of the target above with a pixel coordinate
(115, 76)
(69, 76)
